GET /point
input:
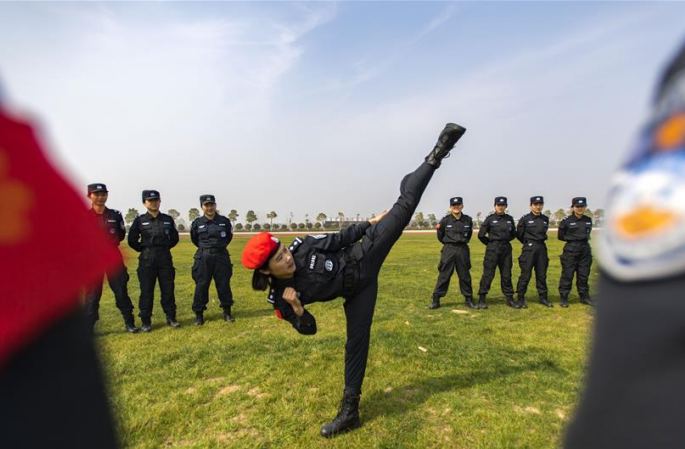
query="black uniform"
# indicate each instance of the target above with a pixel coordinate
(576, 257)
(532, 232)
(153, 238)
(496, 232)
(334, 265)
(212, 261)
(113, 223)
(454, 233)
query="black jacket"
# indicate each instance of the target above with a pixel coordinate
(497, 228)
(572, 229)
(455, 230)
(150, 232)
(216, 233)
(320, 262)
(113, 224)
(532, 228)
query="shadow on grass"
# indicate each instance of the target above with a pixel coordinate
(410, 396)
(250, 313)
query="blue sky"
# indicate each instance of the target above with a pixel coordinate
(311, 107)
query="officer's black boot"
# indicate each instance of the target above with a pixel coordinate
(448, 137)
(227, 315)
(545, 302)
(199, 319)
(481, 302)
(130, 324)
(146, 325)
(171, 321)
(564, 301)
(470, 304)
(511, 303)
(522, 302)
(347, 417)
(435, 304)
(586, 300)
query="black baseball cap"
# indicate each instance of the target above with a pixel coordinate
(501, 201)
(150, 195)
(537, 199)
(579, 201)
(456, 200)
(97, 187)
(207, 199)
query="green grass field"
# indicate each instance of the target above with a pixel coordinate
(449, 378)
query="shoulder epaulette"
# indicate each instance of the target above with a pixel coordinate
(295, 244)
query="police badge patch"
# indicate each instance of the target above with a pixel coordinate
(644, 236)
(328, 265)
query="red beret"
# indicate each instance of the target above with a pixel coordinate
(259, 249)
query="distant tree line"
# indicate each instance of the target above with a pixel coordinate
(324, 223)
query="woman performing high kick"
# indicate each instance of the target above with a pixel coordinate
(345, 264)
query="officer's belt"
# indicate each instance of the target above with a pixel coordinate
(534, 241)
(153, 247)
(212, 249)
(350, 274)
(456, 243)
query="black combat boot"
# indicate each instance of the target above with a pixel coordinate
(481, 302)
(171, 321)
(545, 302)
(586, 300)
(435, 304)
(564, 301)
(227, 315)
(347, 417)
(511, 303)
(448, 137)
(199, 319)
(522, 302)
(470, 304)
(146, 324)
(130, 324)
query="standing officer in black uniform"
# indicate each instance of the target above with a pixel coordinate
(532, 232)
(325, 267)
(112, 223)
(153, 234)
(577, 255)
(211, 233)
(496, 232)
(454, 232)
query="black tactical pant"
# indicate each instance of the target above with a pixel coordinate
(375, 246)
(208, 264)
(497, 255)
(575, 259)
(118, 282)
(454, 257)
(533, 256)
(153, 264)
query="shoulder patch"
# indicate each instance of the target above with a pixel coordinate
(644, 233)
(318, 236)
